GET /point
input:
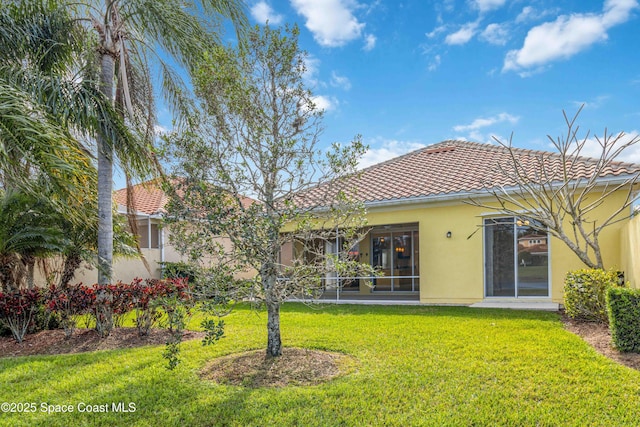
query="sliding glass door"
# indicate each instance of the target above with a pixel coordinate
(516, 258)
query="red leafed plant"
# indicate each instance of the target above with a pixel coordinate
(70, 302)
(144, 295)
(17, 309)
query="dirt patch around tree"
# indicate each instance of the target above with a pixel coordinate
(84, 340)
(598, 336)
(296, 366)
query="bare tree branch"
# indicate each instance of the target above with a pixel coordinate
(562, 191)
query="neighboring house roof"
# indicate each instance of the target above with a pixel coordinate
(148, 198)
(532, 236)
(454, 167)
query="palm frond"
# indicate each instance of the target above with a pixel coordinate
(29, 135)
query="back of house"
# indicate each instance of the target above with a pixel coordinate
(438, 235)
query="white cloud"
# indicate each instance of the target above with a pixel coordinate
(449, 5)
(477, 136)
(310, 75)
(324, 103)
(631, 154)
(463, 35)
(476, 130)
(436, 31)
(340, 81)
(527, 13)
(487, 5)
(369, 42)
(331, 21)
(262, 12)
(594, 103)
(480, 123)
(387, 149)
(161, 130)
(435, 63)
(497, 34)
(567, 35)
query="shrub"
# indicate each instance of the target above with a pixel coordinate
(585, 293)
(144, 295)
(176, 300)
(17, 309)
(4, 330)
(623, 306)
(178, 270)
(69, 303)
(146, 298)
(122, 302)
(44, 320)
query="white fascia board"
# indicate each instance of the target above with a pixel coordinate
(122, 210)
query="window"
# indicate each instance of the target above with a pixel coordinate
(143, 235)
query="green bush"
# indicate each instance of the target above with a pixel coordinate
(623, 306)
(178, 270)
(4, 330)
(585, 293)
(43, 320)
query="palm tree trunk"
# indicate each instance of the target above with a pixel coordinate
(104, 313)
(30, 263)
(105, 183)
(71, 263)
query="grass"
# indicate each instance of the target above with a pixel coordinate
(416, 366)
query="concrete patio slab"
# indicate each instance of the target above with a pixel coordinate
(517, 305)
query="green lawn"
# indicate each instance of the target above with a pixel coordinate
(416, 366)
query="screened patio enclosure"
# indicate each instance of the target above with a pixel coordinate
(394, 251)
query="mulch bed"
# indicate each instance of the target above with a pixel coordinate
(296, 366)
(84, 340)
(597, 335)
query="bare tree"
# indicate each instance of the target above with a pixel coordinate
(259, 138)
(566, 194)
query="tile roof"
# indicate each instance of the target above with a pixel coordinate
(149, 198)
(453, 167)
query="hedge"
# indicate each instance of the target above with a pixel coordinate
(623, 306)
(585, 293)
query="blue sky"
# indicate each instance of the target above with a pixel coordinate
(406, 74)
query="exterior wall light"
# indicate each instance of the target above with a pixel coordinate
(448, 234)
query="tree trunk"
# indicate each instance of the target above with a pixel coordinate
(30, 262)
(274, 343)
(104, 312)
(71, 264)
(269, 283)
(105, 183)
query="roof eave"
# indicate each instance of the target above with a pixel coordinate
(123, 211)
(448, 197)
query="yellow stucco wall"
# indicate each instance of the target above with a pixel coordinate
(630, 251)
(127, 269)
(451, 269)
